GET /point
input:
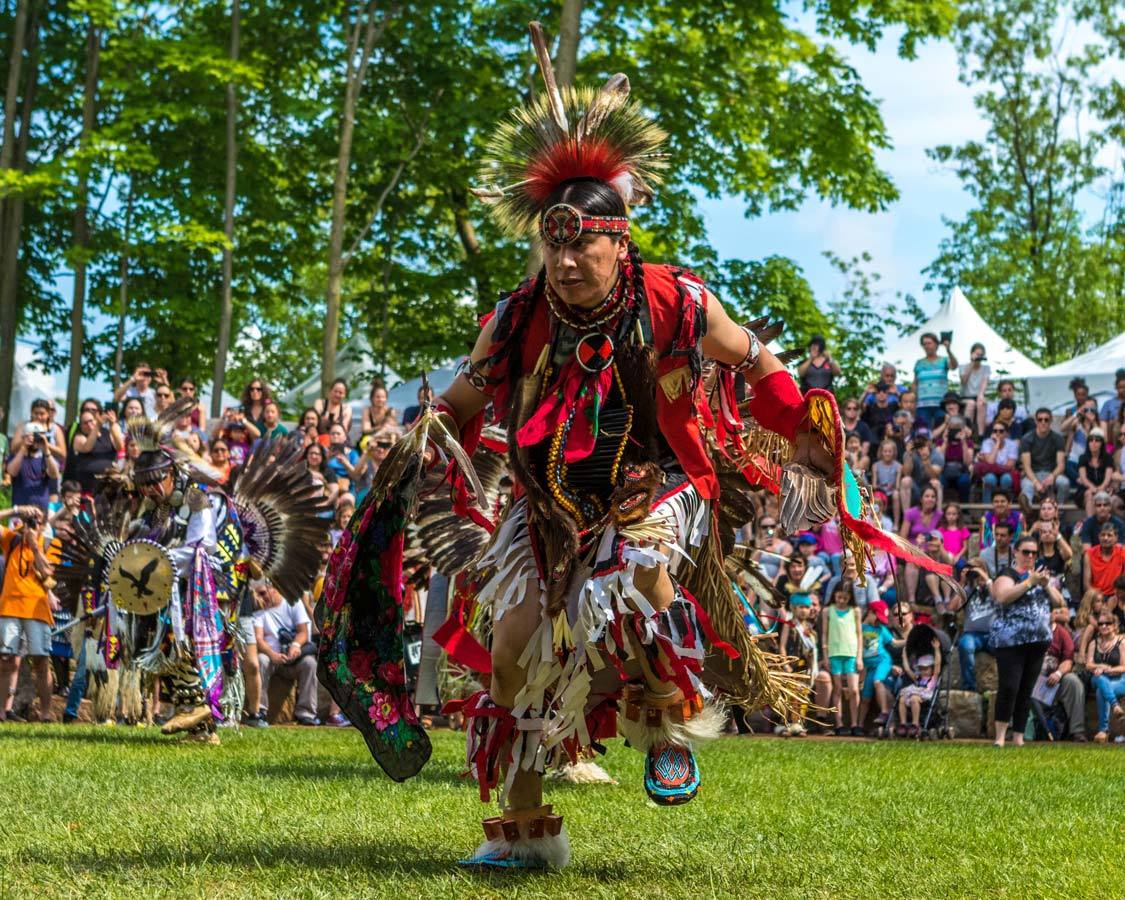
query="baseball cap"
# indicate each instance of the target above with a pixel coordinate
(806, 538)
(879, 607)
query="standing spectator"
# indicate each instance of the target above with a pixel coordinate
(1000, 555)
(309, 418)
(1112, 407)
(282, 630)
(95, 448)
(1105, 661)
(342, 459)
(238, 433)
(956, 445)
(1043, 461)
(42, 421)
(1105, 563)
(1005, 395)
(1092, 525)
(139, 385)
(32, 467)
(888, 375)
(879, 413)
(411, 413)
(164, 397)
(188, 388)
(1019, 637)
(1058, 667)
(818, 369)
(1081, 391)
(26, 606)
(377, 415)
(132, 408)
(255, 396)
(271, 421)
(996, 463)
(980, 610)
(931, 379)
(220, 459)
(954, 534)
(974, 384)
(1095, 471)
(842, 640)
(334, 408)
(878, 640)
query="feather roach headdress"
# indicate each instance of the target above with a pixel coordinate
(158, 452)
(565, 135)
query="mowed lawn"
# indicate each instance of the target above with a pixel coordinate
(300, 813)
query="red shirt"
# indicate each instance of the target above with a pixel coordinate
(1103, 572)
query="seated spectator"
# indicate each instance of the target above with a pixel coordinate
(1000, 555)
(1058, 668)
(908, 403)
(955, 444)
(198, 415)
(164, 398)
(931, 379)
(219, 458)
(1076, 429)
(886, 476)
(888, 375)
(377, 415)
(1001, 511)
(1095, 472)
(342, 459)
(255, 396)
(185, 434)
(923, 671)
(282, 631)
(1115, 603)
(996, 464)
(1105, 660)
(94, 447)
(62, 518)
(32, 466)
(1112, 407)
(315, 461)
(271, 421)
(1117, 488)
(1043, 461)
(979, 611)
(345, 507)
(772, 548)
(818, 369)
(855, 456)
(878, 415)
(922, 467)
(334, 408)
(917, 523)
(1049, 513)
(950, 406)
(974, 382)
(814, 565)
(26, 607)
(1086, 622)
(131, 409)
(1055, 555)
(411, 413)
(954, 533)
(1092, 525)
(1105, 563)
(853, 424)
(309, 417)
(792, 578)
(1006, 408)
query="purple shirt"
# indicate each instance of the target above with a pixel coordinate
(919, 524)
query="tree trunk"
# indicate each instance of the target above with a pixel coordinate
(566, 67)
(355, 72)
(228, 223)
(122, 294)
(11, 210)
(81, 223)
(467, 233)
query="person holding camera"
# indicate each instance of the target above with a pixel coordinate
(26, 606)
(979, 611)
(94, 447)
(931, 377)
(140, 385)
(818, 369)
(281, 631)
(238, 433)
(33, 467)
(955, 443)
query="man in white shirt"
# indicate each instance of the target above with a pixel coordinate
(281, 629)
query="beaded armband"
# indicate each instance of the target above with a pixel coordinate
(753, 351)
(476, 377)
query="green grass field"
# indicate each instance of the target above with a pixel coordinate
(297, 813)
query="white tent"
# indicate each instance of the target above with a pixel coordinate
(957, 314)
(28, 384)
(1098, 366)
(355, 363)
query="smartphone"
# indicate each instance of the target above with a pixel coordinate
(947, 336)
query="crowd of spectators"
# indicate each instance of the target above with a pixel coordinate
(48, 470)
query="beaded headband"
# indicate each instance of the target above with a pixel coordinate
(563, 224)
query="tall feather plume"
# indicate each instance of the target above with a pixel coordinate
(565, 134)
(152, 434)
(279, 506)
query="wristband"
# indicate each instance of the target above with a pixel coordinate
(753, 351)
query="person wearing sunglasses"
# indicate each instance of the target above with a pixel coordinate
(1105, 660)
(1019, 636)
(1043, 461)
(188, 388)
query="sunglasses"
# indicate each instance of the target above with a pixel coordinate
(999, 430)
(255, 388)
(1041, 420)
(1028, 552)
(384, 445)
(187, 389)
(215, 450)
(163, 393)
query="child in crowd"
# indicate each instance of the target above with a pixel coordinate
(831, 546)
(954, 534)
(798, 644)
(856, 458)
(878, 641)
(886, 475)
(840, 634)
(923, 669)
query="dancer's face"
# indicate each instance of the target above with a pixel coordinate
(583, 272)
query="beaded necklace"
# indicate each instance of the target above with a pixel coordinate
(587, 320)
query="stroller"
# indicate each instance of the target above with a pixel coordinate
(935, 711)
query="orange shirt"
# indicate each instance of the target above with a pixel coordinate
(23, 595)
(1103, 572)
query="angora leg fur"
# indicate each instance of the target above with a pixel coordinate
(552, 850)
(707, 725)
(583, 772)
